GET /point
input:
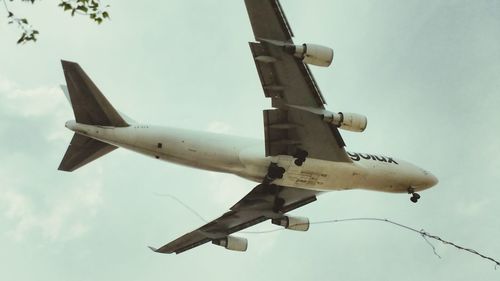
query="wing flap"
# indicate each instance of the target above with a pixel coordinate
(291, 86)
(257, 206)
(219, 228)
(184, 243)
(288, 130)
(268, 20)
(285, 78)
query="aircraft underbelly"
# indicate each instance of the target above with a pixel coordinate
(246, 159)
(319, 174)
(324, 175)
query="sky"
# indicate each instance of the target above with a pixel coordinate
(427, 76)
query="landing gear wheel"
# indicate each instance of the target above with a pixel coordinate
(301, 156)
(299, 162)
(414, 198)
(274, 172)
(278, 204)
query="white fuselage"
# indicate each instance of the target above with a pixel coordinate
(245, 157)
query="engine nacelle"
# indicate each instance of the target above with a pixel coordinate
(232, 243)
(347, 121)
(312, 54)
(292, 223)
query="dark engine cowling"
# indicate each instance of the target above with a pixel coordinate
(292, 223)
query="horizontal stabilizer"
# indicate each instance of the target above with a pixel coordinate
(83, 150)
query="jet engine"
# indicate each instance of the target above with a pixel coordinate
(347, 121)
(311, 54)
(232, 243)
(292, 223)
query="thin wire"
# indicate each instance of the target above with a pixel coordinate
(6, 8)
(193, 211)
(422, 232)
(425, 235)
(432, 246)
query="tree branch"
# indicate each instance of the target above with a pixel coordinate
(94, 9)
(29, 34)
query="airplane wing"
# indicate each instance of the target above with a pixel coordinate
(295, 125)
(266, 201)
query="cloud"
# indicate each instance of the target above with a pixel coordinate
(47, 102)
(219, 127)
(17, 205)
(64, 216)
(34, 204)
(228, 189)
(5, 85)
(34, 102)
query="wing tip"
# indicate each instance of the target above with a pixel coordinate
(153, 249)
(156, 250)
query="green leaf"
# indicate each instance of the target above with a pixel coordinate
(25, 21)
(82, 8)
(105, 15)
(10, 15)
(22, 39)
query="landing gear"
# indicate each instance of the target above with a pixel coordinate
(301, 156)
(274, 172)
(278, 203)
(414, 196)
(272, 191)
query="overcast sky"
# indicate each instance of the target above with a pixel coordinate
(426, 75)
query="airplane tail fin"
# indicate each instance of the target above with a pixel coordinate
(89, 107)
(89, 104)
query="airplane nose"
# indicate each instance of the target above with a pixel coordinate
(434, 180)
(425, 180)
(430, 179)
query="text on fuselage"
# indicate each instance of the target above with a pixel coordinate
(357, 157)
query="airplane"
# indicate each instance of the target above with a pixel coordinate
(303, 154)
